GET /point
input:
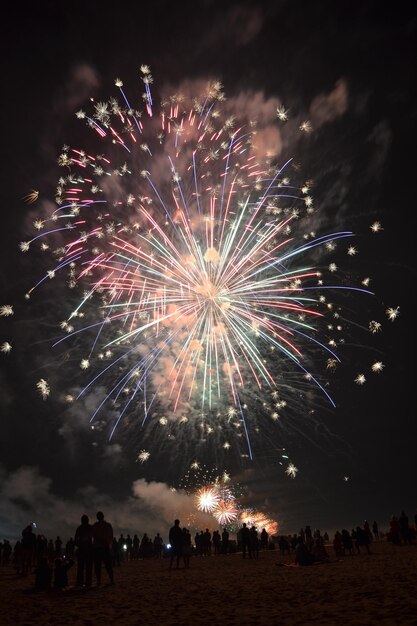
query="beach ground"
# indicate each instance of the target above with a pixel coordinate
(360, 590)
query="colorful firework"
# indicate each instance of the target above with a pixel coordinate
(259, 520)
(226, 512)
(213, 492)
(218, 497)
(31, 197)
(195, 280)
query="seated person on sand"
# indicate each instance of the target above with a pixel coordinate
(61, 573)
(319, 551)
(303, 556)
(43, 575)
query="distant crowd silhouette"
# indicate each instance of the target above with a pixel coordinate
(95, 547)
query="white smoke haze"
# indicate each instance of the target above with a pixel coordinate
(238, 26)
(81, 83)
(327, 107)
(254, 107)
(381, 138)
(27, 496)
(83, 80)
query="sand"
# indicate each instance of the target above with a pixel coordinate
(226, 590)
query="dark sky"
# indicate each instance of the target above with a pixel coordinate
(348, 66)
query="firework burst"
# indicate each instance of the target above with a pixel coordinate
(193, 278)
(207, 499)
(226, 512)
(259, 520)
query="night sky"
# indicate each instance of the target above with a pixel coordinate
(350, 67)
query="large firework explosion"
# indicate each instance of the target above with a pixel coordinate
(198, 291)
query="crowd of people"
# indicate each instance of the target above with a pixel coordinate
(312, 547)
(50, 561)
(94, 547)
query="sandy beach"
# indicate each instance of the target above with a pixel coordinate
(360, 590)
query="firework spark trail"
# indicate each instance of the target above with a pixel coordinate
(188, 267)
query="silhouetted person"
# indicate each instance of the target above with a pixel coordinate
(102, 542)
(284, 546)
(115, 553)
(264, 539)
(129, 543)
(43, 575)
(319, 551)
(225, 541)
(294, 540)
(308, 537)
(245, 539)
(61, 573)
(216, 541)
(7, 552)
(403, 524)
(200, 543)
(84, 543)
(186, 547)
(175, 539)
(253, 543)
(41, 546)
(337, 543)
(394, 530)
(135, 547)
(58, 547)
(122, 550)
(146, 546)
(157, 546)
(362, 539)
(347, 543)
(375, 530)
(207, 542)
(27, 547)
(50, 550)
(368, 531)
(69, 548)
